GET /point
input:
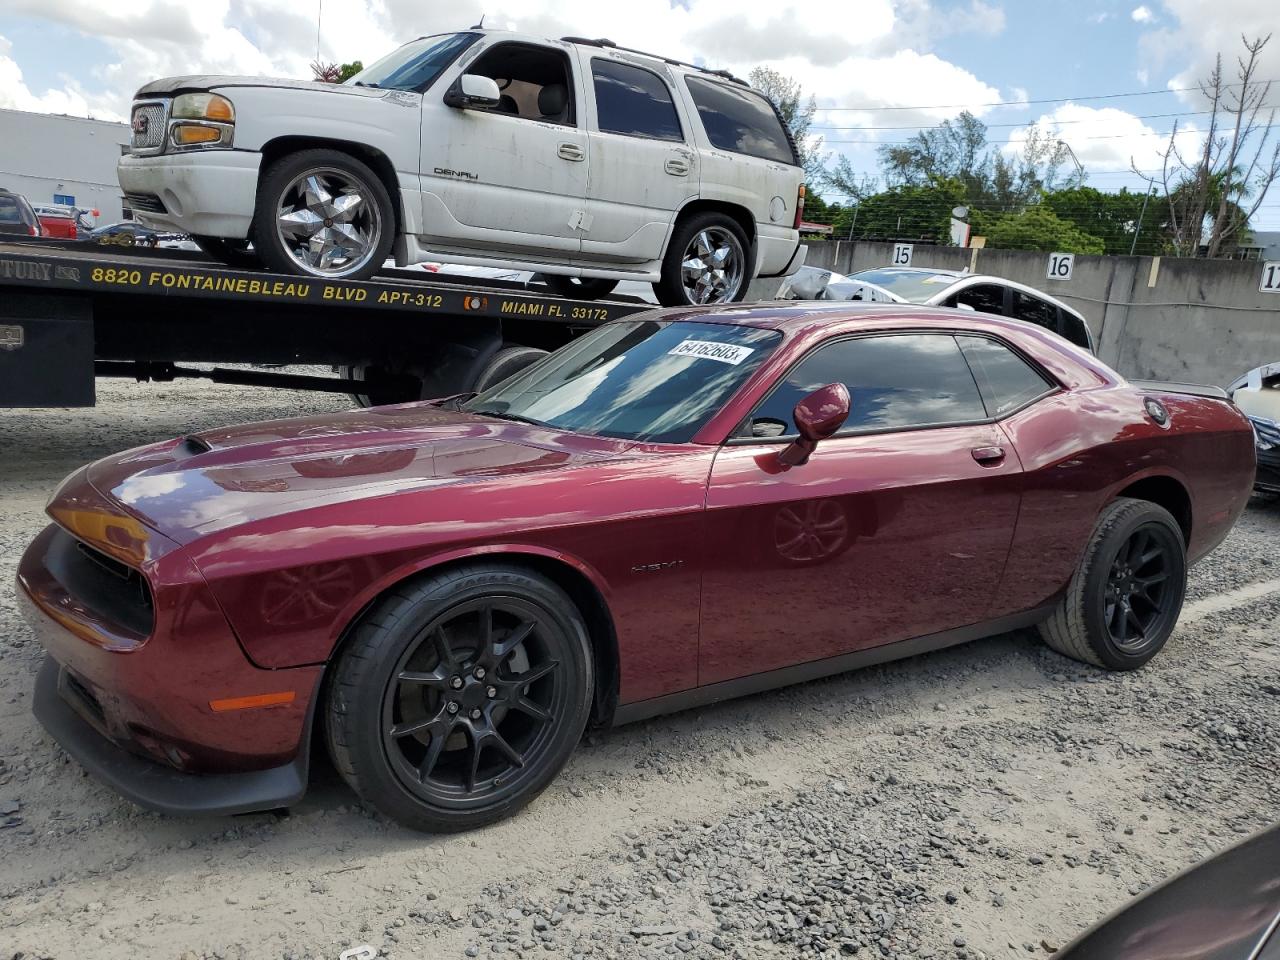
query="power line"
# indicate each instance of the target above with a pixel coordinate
(989, 126)
(1020, 103)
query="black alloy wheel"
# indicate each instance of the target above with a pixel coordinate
(470, 707)
(460, 695)
(1137, 603)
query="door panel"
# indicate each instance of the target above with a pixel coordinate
(876, 539)
(499, 180)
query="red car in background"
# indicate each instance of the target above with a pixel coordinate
(64, 222)
(675, 508)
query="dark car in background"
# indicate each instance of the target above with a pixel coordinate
(1257, 394)
(130, 233)
(16, 216)
(1226, 908)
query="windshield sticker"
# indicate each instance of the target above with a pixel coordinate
(729, 353)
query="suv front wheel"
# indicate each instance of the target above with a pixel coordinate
(708, 261)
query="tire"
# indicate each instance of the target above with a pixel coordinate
(1092, 612)
(506, 363)
(338, 175)
(387, 709)
(580, 288)
(234, 253)
(671, 290)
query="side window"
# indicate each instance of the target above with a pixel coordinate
(633, 102)
(982, 297)
(909, 380)
(740, 120)
(534, 81)
(1034, 310)
(1006, 380)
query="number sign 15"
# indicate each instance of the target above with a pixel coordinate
(1270, 282)
(1060, 265)
(902, 254)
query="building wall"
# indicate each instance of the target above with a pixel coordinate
(42, 155)
(1159, 318)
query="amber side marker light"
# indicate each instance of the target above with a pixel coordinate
(249, 703)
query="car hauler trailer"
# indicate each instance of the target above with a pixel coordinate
(70, 312)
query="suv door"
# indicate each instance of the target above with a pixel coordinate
(512, 177)
(897, 527)
(643, 169)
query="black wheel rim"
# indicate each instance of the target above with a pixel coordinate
(1140, 596)
(475, 702)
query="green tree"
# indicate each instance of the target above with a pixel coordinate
(796, 112)
(349, 70)
(1036, 228)
(1113, 218)
(334, 73)
(913, 212)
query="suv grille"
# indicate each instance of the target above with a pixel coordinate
(148, 123)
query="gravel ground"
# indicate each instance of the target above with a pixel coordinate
(986, 801)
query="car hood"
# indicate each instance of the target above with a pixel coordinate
(199, 82)
(219, 479)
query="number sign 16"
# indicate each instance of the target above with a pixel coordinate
(1060, 265)
(1270, 282)
(902, 254)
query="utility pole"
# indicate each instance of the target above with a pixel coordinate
(319, 14)
(1074, 159)
(1137, 228)
(854, 222)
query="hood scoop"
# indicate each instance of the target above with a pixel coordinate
(192, 445)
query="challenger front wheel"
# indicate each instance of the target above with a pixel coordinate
(459, 697)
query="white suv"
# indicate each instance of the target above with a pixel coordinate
(583, 161)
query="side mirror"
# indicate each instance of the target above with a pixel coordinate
(818, 416)
(473, 90)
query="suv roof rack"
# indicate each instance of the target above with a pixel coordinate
(602, 42)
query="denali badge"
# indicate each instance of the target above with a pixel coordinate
(11, 337)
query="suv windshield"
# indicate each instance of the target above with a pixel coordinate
(637, 380)
(913, 286)
(416, 65)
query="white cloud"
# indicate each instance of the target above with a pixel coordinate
(71, 100)
(1142, 15)
(1196, 32)
(1108, 139)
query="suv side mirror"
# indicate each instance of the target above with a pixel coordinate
(473, 90)
(818, 416)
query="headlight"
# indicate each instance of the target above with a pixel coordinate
(203, 106)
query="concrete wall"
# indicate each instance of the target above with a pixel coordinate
(1203, 321)
(42, 154)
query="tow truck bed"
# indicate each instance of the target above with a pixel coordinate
(70, 311)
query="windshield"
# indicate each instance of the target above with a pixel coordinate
(416, 65)
(637, 380)
(914, 286)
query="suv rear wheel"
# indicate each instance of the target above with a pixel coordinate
(323, 213)
(708, 261)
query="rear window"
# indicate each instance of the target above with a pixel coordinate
(741, 121)
(11, 211)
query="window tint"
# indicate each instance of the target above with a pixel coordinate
(740, 120)
(533, 81)
(415, 65)
(633, 102)
(894, 382)
(1006, 380)
(1034, 310)
(984, 298)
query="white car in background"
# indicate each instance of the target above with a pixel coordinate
(941, 288)
(573, 158)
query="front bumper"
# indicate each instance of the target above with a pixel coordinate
(151, 784)
(205, 193)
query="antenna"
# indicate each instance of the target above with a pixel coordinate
(480, 25)
(319, 13)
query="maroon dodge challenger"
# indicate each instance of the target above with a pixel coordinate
(676, 508)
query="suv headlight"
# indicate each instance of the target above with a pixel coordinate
(201, 120)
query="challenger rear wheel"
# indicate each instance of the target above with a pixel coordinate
(1124, 599)
(459, 697)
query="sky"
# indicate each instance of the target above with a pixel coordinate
(1110, 74)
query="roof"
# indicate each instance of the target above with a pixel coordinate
(790, 316)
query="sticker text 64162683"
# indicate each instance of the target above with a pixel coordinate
(730, 353)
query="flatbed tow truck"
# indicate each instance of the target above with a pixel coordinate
(72, 311)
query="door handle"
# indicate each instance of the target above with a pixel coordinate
(988, 456)
(677, 166)
(571, 151)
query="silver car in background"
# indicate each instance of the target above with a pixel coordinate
(941, 288)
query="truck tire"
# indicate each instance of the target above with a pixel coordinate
(708, 261)
(323, 213)
(234, 253)
(580, 288)
(506, 363)
(459, 696)
(1124, 598)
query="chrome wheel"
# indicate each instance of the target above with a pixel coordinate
(713, 267)
(329, 222)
